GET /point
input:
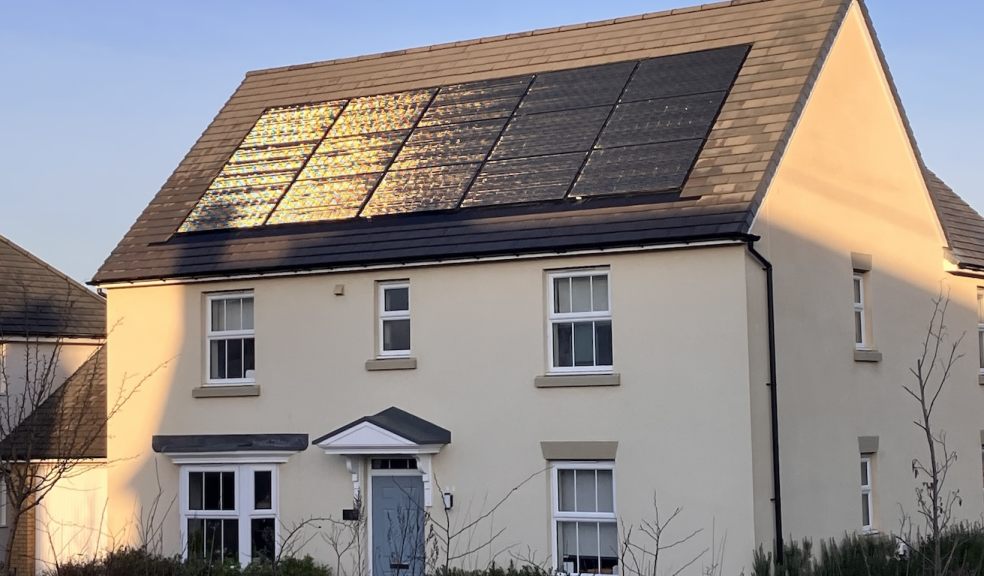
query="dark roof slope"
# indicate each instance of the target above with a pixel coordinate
(962, 225)
(70, 423)
(401, 423)
(38, 301)
(788, 38)
(193, 443)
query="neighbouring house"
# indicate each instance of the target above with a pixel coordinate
(523, 284)
(52, 413)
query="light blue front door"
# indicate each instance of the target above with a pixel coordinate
(397, 510)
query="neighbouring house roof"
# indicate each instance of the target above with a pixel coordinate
(38, 301)
(962, 225)
(69, 424)
(401, 423)
(353, 131)
(190, 444)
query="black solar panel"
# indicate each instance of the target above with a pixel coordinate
(621, 128)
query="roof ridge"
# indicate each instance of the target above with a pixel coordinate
(71, 281)
(509, 36)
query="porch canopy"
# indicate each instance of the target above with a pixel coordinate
(390, 432)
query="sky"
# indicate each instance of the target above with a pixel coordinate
(100, 100)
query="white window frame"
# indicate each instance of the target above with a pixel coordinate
(227, 335)
(859, 308)
(556, 317)
(384, 315)
(866, 489)
(980, 327)
(556, 515)
(3, 502)
(244, 511)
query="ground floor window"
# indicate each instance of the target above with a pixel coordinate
(584, 521)
(229, 512)
(867, 503)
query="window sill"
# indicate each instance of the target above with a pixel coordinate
(867, 355)
(980, 379)
(576, 380)
(391, 364)
(226, 391)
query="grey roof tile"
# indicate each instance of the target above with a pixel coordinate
(38, 301)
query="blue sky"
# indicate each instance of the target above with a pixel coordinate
(99, 101)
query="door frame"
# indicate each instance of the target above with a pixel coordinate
(370, 552)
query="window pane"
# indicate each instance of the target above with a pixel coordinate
(603, 343)
(212, 490)
(396, 299)
(587, 546)
(584, 344)
(217, 359)
(606, 491)
(196, 538)
(263, 534)
(980, 345)
(864, 473)
(213, 539)
(234, 314)
(567, 547)
(563, 344)
(262, 490)
(865, 511)
(249, 355)
(228, 490)
(857, 290)
(599, 292)
(586, 491)
(858, 328)
(609, 547)
(562, 295)
(195, 487)
(565, 486)
(980, 305)
(230, 539)
(581, 294)
(396, 335)
(234, 363)
(218, 315)
(247, 313)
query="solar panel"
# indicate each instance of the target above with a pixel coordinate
(621, 128)
(261, 168)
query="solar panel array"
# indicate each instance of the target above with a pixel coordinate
(621, 128)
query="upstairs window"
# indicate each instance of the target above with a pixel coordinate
(230, 339)
(585, 523)
(860, 321)
(580, 322)
(394, 319)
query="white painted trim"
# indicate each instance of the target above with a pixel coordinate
(422, 264)
(382, 316)
(244, 457)
(67, 341)
(556, 515)
(868, 489)
(211, 335)
(859, 308)
(559, 317)
(368, 506)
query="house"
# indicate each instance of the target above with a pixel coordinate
(52, 413)
(521, 284)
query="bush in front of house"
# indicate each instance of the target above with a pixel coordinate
(138, 562)
(877, 555)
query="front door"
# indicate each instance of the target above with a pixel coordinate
(397, 517)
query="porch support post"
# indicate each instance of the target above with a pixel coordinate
(424, 465)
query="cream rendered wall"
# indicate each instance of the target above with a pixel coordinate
(848, 182)
(681, 415)
(25, 362)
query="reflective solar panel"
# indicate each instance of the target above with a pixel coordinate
(262, 167)
(437, 188)
(621, 128)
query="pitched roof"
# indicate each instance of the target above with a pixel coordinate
(70, 423)
(962, 225)
(401, 423)
(38, 301)
(788, 39)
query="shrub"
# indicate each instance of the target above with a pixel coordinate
(136, 562)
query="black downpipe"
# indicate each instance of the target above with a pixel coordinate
(774, 405)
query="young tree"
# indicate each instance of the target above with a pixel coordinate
(934, 503)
